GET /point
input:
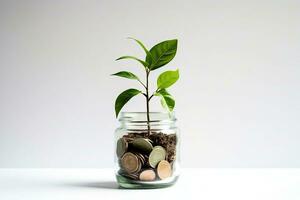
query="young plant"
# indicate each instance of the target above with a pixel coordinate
(158, 56)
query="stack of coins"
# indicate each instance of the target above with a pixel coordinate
(141, 158)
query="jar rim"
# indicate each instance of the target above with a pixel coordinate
(141, 117)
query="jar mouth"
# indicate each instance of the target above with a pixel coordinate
(141, 117)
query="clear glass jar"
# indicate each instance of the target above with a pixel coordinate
(147, 156)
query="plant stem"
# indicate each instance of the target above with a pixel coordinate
(147, 100)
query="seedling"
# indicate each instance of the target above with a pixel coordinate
(158, 56)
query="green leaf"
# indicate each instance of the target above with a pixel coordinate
(167, 101)
(134, 58)
(148, 54)
(123, 98)
(140, 43)
(126, 74)
(162, 54)
(166, 79)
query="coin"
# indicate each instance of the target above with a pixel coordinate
(142, 145)
(123, 173)
(130, 163)
(164, 169)
(157, 154)
(122, 147)
(141, 157)
(147, 175)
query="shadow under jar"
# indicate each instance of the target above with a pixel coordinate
(147, 156)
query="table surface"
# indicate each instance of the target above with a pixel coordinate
(200, 184)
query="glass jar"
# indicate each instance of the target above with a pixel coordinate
(147, 155)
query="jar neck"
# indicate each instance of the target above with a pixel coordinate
(138, 120)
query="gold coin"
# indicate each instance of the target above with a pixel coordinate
(147, 175)
(130, 163)
(164, 169)
(157, 154)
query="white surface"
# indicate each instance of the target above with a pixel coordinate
(208, 184)
(237, 100)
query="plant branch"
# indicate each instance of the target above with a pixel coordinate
(142, 83)
(151, 97)
(153, 94)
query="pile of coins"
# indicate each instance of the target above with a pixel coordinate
(146, 157)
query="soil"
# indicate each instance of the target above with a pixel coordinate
(168, 141)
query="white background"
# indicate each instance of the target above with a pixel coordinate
(205, 183)
(237, 101)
